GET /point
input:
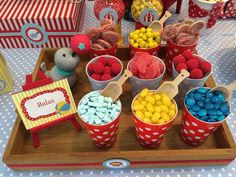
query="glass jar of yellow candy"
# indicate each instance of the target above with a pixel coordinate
(146, 11)
(154, 108)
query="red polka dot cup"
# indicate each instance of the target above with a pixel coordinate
(193, 131)
(151, 135)
(189, 83)
(173, 50)
(152, 51)
(97, 84)
(111, 51)
(103, 136)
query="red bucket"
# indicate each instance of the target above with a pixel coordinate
(151, 135)
(194, 131)
(152, 51)
(111, 51)
(173, 50)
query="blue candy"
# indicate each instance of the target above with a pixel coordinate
(207, 100)
(192, 112)
(209, 105)
(221, 97)
(219, 112)
(215, 99)
(202, 90)
(213, 116)
(190, 101)
(212, 112)
(216, 106)
(198, 96)
(204, 118)
(224, 107)
(196, 108)
(210, 94)
(221, 117)
(202, 112)
(200, 103)
(211, 120)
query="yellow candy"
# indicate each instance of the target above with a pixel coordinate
(150, 107)
(147, 114)
(172, 107)
(150, 40)
(144, 37)
(150, 93)
(136, 102)
(147, 120)
(154, 119)
(146, 45)
(166, 101)
(144, 103)
(165, 116)
(136, 31)
(144, 93)
(135, 37)
(163, 94)
(139, 114)
(142, 44)
(131, 41)
(172, 113)
(164, 109)
(158, 40)
(150, 45)
(135, 45)
(138, 107)
(131, 35)
(140, 35)
(140, 98)
(157, 109)
(143, 30)
(156, 34)
(150, 99)
(139, 40)
(161, 121)
(155, 44)
(149, 34)
(158, 103)
(156, 115)
(157, 97)
(149, 29)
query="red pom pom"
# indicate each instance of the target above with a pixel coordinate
(188, 54)
(178, 59)
(90, 68)
(102, 60)
(98, 68)
(80, 44)
(205, 66)
(106, 77)
(110, 61)
(96, 77)
(192, 64)
(196, 74)
(107, 70)
(115, 68)
(181, 66)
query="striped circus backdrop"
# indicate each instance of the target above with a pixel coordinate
(60, 20)
(29, 124)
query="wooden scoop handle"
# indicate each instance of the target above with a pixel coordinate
(231, 86)
(183, 74)
(124, 77)
(165, 17)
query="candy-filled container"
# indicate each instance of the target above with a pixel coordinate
(144, 40)
(100, 117)
(153, 114)
(148, 71)
(146, 11)
(199, 68)
(203, 112)
(206, 10)
(102, 70)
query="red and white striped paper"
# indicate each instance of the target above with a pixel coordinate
(60, 19)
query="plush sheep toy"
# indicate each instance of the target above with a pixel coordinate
(67, 59)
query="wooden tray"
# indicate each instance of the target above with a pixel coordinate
(62, 147)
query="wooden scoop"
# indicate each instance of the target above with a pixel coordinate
(114, 88)
(157, 25)
(226, 89)
(171, 87)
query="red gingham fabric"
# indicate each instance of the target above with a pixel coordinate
(196, 12)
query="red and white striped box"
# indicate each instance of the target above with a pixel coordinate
(39, 23)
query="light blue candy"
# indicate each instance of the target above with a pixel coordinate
(202, 90)
(108, 99)
(107, 119)
(114, 106)
(100, 114)
(97, 120)
(109, 105)
(82, 111)
(196, 108)
(90, 103)
(209, 106)
(93, 99)
(94, 93)
(91, 110)
(101, 99)
(202, 112)
(91, 120)
(85, 101)
(190, 101)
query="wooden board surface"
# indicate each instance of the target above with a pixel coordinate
(63, 144)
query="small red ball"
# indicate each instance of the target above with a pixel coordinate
(80, 44)
(98, 68)
(188, 54)
(90, 68)
(115, 68)
(106, 77)
(178, 59)
(192, 64)
(107, 70)
(96, 77)
(205, 66)
(181, 66)
(110, 61)
(102, 60)
(196, 74)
